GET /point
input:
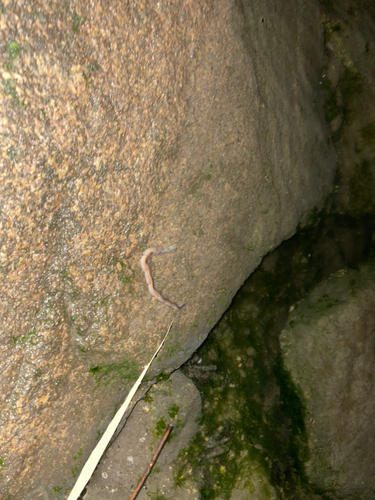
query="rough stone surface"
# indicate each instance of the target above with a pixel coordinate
(348, 79)
(260, 488)
(175, 401)
(328, 347)
(126, 125)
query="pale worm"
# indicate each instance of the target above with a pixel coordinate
(149, 279)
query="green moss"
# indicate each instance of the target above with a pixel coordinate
(124, 274)
(88, 75)
(190, 459)
(77, 21)
(25, 339)
(219, 475)
(92, 68)
(148, 398)
(170, 350)
(160, 428)
(179, 478)
(201, 180)
(74, 471)
(78, 454)
(107, 374)
(12, 154)
(14, 50)
(162, 376)
(173, 410)
(11, 91)
(292, 402)
(331, 28)
(123, 278)
(250, 402)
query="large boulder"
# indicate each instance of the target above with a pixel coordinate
(126, 125)
(328, 347)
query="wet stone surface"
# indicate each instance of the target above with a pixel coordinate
(126, 125)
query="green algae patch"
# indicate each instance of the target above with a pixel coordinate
(25, 340)
(10, 91)
(12, 154)
(77, 21)
(292, 401)
(14, 50)
(253, 426)
(173, 410)
(156, 495)
(160, 427)
(199, 183)
(74, 471)
(107, 374)
(162, 376)
(78, 454)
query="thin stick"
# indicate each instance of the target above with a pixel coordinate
(153, 460)
(100, 448)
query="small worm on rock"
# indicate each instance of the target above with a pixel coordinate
(150, 252)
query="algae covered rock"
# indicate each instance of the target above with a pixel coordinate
(328, 347)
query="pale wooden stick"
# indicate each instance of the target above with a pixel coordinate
(100, 448)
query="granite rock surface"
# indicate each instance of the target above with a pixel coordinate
(126, 125)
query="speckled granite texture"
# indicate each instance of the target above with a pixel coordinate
(126, 125)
